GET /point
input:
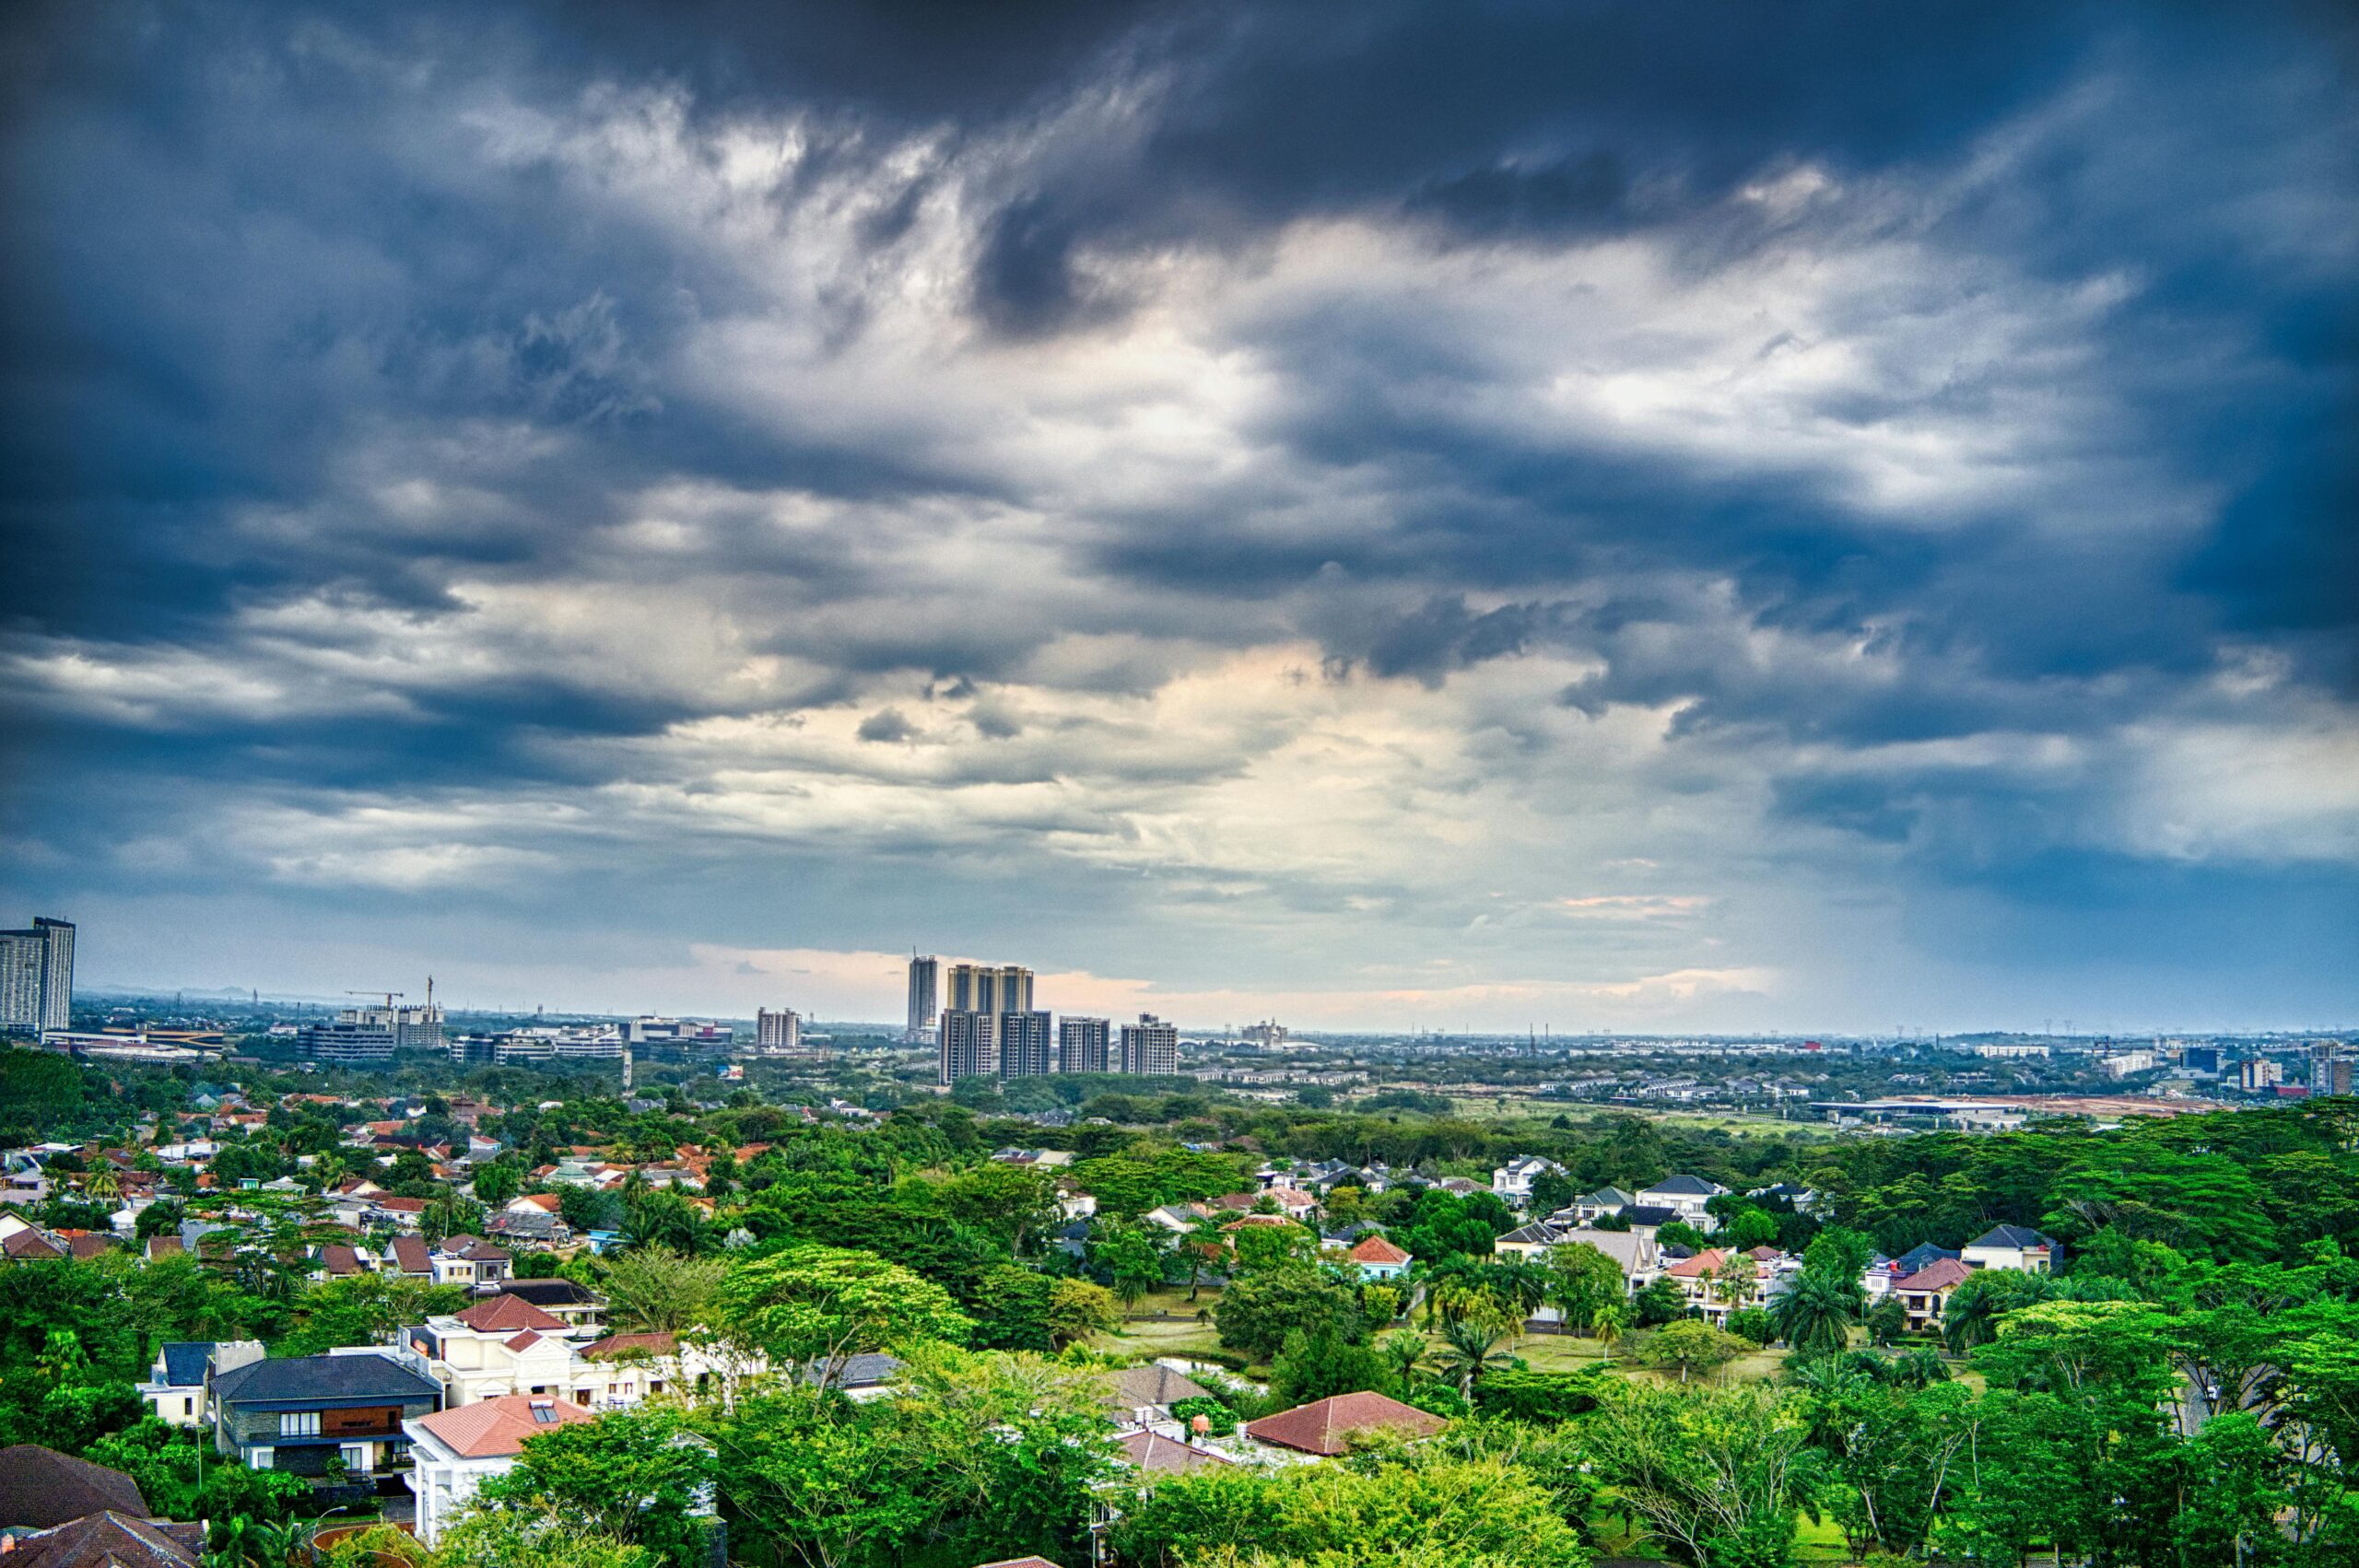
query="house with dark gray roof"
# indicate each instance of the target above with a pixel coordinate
(175, 1386)
(299, 1413)
(2012, 1246)
(859, 1378)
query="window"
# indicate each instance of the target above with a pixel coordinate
(188, 1406)
(261, 1459)
(299, 1423)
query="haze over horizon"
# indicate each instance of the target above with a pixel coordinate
(1398, 518)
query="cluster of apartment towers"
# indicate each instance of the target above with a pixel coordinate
(982, 1020)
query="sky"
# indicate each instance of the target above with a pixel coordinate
(1586, 516)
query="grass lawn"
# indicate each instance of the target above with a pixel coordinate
(1164, 1324)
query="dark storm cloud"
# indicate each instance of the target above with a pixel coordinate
(429, 399)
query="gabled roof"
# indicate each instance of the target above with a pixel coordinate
(1538, 1233)
(1609, 1197)
(550, 1292)
(110, 1539)
(630, 1344)
(29, 1244)
(1150, 1385)
(1917, 1257)
(508, 1315)
(184, 1363)
(870, 1370)
(2012, 1235)
(1687, 1187)
(1704, 1263)
(1151, 1451)
(41, 1487)
(339, 1259)
(1326, 1426)
(292, 1379)
(411, 1256)
(1939, 1275)
(1375, 1250)
(492, 1429)
(1653, 1215)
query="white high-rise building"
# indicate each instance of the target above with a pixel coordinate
(1150, 1047)
(1023, 1045)
(1081, 1045)
(925, 994)
(968, 1044)
(37, 978)
(781, 1030)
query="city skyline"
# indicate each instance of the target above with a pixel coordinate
(1412, 520)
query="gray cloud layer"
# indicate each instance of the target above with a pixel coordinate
(1407, 514)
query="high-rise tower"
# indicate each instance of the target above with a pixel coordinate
(925, 991)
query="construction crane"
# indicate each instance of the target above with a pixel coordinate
(389, 996)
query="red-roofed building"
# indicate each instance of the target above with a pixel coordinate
(1925, 1294)
(458, 1450)
(1157, 1454)
(1378, 1258)
(1328, 1427)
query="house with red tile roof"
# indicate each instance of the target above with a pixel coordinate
(458, 1450)
(1925, 1294)
(1328, 1427)
(1378, 1258)
(1159, 1454)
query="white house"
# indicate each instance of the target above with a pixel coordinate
(1513, 1180)
(1688, 1195)
(2012, 1246)
(175, 1386)
(469, 1260)
(457, 1450)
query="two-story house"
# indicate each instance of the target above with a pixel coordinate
(1686, 1196)
(456, 1451)
(2012, 1246)
(469, 1260)
(1513, 1180)
(1925, 1294)
(175, 1386)
(297, 1413)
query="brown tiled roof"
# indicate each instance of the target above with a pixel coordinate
(1375, 1250)
(31, 1244)
(411, 1256)
(1151, 1451)
(1939, 1275)
(339, 1259)
(628, 1344)
(494, 1428)
(109, 1539)
(1150, 1385)
(41, 1487)
(508, 1313)
(1704, 1263)
(1326, 1425)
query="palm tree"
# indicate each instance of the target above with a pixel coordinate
(1607, 1323)
(102, 1183)
(1201, 1244)
(1816, 1313)
(1469, 1350)
(1523, 1285)
(1404, 1351)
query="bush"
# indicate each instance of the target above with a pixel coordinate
(1751, 1323)
(1218, 1418)
(1543, 1397)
